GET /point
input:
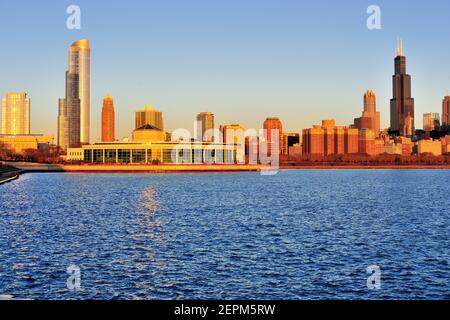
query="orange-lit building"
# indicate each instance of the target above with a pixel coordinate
(433, 147)
(313, 141)
(367, 142)
(108, 120)
(270, 125)
(370, 118)
(445, 145)
(351, 141)
(329, 139)
(232, 133)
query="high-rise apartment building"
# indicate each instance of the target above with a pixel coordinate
(328, 140)
(273, 127)
(232, 134)
(289, 140)
(15, 113)
(431, 121)
(370, 118)
(402, 104)
(149, 116)
(205, 127)
(108, 120)
(74, 110)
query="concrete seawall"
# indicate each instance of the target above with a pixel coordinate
(161, 168)
(7, 176)
(25, 167)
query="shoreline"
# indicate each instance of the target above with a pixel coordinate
(158, 169)
(367, 167)
(6, 177)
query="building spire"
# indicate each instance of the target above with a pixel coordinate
(400, 48)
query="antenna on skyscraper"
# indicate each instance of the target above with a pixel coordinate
(399, 47)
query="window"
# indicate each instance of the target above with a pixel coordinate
(110, 156)
(124, 155)
(197, 156)
(97, 155)
(167, 156)
(87, 155)
(138, 156)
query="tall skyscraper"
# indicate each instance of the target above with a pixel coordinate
(74, 111)
(63, 124)
(108, 120)
(149, 116)
(402, 104)
(205, 125)
(15, 113)
(431, 121)
(446, 112)
(269, 126)
(370, 118)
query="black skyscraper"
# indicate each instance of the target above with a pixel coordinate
(402, 104)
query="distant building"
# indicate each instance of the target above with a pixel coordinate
(446, 112)
(273, 127)
(431, 121)
(295, 150)
(234, 134)
(15, 113)
(108, 120)
(367, 142)
(148, 133)
(430, 146)
(402, 104)
(205, 127)
(370, 118)
(149, 116)
(138, 152)
(289, 140)
(329, 139)
(445, 144)
(74, 109)
(20, 143)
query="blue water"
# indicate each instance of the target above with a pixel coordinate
(295, 235)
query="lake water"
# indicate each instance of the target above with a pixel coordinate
(295, 235)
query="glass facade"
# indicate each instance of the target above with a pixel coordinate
(164, 153)
(138, 156)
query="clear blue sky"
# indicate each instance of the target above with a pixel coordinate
(244, 60)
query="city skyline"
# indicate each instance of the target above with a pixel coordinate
(292, 105)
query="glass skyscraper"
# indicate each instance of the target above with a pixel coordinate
(74, 110)
(15, 113)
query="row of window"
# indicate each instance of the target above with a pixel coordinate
(165, 156)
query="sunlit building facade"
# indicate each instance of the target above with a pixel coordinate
(108, 120)
(370, 118)
(431, 121)
(157, 152)
(205, 127)
(74, 109)
(149, 116)
(273, 129)
(15, 113)
(21, 142)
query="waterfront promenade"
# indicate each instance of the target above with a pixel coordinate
(15, 168)
(38, 167)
